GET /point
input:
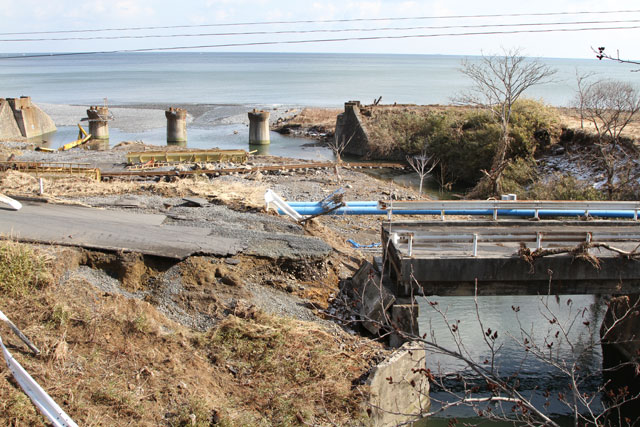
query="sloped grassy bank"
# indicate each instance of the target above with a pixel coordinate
(112, 360)
(462, 142)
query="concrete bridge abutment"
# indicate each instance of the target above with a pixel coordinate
(28, 119)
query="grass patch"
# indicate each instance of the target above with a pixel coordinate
(109, 360)
(195, 413)
(18, 410)
(59, 316)
(22, 269)
(291, 371)
(118, 399)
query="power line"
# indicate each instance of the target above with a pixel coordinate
(325, 21)
(405, 36)
(340, 30)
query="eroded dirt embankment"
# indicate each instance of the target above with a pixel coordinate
(111, 355)
(241, 340)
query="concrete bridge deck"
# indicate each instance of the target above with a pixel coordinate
(451, 257)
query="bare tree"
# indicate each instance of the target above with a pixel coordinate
(498, 82)
(582, 80)
(422, 164)
(337, 146)
(610, 105)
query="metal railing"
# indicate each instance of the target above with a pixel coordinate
(425, 239)
(531, 208)
(52, 168)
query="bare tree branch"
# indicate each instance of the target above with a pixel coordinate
(498, 82)
(610, 105)
(337, 146)
(600, 54)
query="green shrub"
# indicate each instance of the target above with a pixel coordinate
(405, 131)
(527, 118)
(465, 141)
(519, 175)
(466, 147)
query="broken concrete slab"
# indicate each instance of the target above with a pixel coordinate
(195, 202)
(404, 320)
(127, 202)
(112, 230)
(287, 246)
(399, 388)
(374, 299)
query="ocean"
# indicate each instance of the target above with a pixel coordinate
(326, 80)
(248, 80)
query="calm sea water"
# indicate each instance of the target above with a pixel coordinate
(265, 78)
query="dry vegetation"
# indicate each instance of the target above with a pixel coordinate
(319, 117)
(110, 360)
(316, 123)
(22, 184)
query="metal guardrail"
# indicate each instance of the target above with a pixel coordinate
(52, 168)
(481, 207)
(213, 155)
(424, 239)
(45, 404)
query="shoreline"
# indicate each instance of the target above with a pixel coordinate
(141, 117)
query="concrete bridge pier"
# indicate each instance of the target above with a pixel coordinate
(176, 126)
(259, 128)
(98, 123)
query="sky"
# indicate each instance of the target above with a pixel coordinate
(65, 15)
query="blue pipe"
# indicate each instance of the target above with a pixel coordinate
(354, 203)
(345, 210)
(316, 209)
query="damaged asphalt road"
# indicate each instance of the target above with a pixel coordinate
(212, 230)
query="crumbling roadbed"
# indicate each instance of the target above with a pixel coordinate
(147, 234)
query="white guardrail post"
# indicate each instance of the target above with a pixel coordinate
(14, 204)
(475, 244)
(45, 404)
(271, 198)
